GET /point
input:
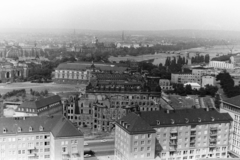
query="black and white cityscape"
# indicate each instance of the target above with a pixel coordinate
(119, 80)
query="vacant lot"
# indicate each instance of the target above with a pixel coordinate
(51, 87)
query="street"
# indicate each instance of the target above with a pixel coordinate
(100, 148)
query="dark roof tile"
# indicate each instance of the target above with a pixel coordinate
(234, 100)
(58, 125)
(145, 121)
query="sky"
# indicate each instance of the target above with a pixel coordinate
(121, 14)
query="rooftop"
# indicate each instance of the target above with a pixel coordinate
(85, 65)
(58, 125)
(41, 102)
(146, 121)
(234, 100)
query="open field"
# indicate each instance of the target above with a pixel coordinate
(51, 87)
(161, 57)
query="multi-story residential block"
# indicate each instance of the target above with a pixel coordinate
(194, 77)
(208, 80)
(43, 138)
(185, 78)
(165, 84)
(45, 106)
(232, 106)
(178, 134)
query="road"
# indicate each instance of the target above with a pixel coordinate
(100, 148)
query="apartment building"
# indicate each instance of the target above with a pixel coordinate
(45, 106)
(167, 135)
(208, 80)
(43, 138)
(165, 84)
(232, 106)
(194, 77)
(185, 78)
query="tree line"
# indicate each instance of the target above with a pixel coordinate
(227, 84)
(187, 90)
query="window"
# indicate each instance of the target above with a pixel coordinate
(64, 149)
(142, 148)
(149, 136)
(30, 129)
(148, 154)
(46, 143)
(142, 142)
(19, 151)
(74, 149)
(148, 148)
(149, 141)
(46, 149)
(41, 128)
(46, 156)
(135, 143)
(19, 129)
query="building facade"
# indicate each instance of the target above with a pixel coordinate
(99, 111)
(43, 138)
(194, 77)
(81, 73)
(46, 106)
(180, 135)
(184, 78)
(165, 84)
(232, 107)
(208, 80)
(12, 73)
(221, 65)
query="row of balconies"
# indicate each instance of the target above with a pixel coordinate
(68, 155)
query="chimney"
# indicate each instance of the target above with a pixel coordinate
(199, 120)
(172, 121)
(168, 111)
(207, 109)
(212, 118)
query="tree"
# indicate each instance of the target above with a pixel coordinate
(207, 58)
(217, 101)
(202, 92)
(188, 89)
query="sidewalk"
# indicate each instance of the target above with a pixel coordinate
(105, 157)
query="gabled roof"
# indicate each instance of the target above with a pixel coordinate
(144, 122)
(41, 102)
(234, 100)
(185, 116)
(135, 123)
(58, 125)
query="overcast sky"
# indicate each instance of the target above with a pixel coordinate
(121, 14)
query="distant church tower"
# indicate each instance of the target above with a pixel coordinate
(123, 36)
